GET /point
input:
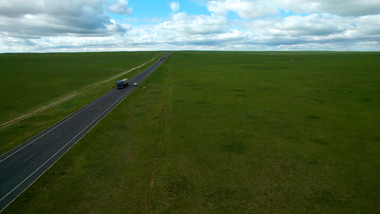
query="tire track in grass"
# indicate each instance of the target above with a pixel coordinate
(162, 129)
(156, 155)
(43, 108)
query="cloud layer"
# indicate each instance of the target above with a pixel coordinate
(337, 7)
(87, 25)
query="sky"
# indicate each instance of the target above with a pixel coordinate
(137, 25)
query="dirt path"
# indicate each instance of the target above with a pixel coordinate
(45, 107)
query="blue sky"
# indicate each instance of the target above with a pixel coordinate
(130, 25)
(145, 12)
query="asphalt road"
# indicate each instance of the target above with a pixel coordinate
(23, 165)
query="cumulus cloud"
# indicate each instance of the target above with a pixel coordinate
(49, 17)
(311, 25)
(183, 31)
(337, 7)
(341, 33)
(191, 25)
(310, 32)
(258, 8)
(120, 7)
(174, 6)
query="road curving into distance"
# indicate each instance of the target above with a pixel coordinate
(23, 165)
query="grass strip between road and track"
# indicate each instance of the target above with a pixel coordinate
(88, 87)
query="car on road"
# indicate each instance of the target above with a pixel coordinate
(135, 84)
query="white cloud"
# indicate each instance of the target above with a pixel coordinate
(245, 8)
(338, 7)
(248, 9)
(316, 31)
(120, 7)
(19, 8)
(174, 6)
(183, 31)
(36, 18)
(311, 25)
(191, 25)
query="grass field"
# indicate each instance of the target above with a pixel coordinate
(230, 132)
(30, 81)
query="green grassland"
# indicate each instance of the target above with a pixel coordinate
(230, 132)
(30, 81)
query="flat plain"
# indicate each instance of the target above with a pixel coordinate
(230, 132)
